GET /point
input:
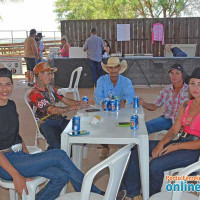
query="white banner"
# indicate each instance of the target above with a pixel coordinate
(12, 63)
(123, 32)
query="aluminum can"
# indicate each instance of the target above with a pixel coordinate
(136, 102)
(112, 105)
(76, 124)
(106, 104)
(85, 99)
(117, 104)
(134, 122)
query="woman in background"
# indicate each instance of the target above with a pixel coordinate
(64, 48)
(107, 50)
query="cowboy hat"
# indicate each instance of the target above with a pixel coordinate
(195, 74)
(114, 61)
(42, 67)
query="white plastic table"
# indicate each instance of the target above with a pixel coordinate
(108, 132)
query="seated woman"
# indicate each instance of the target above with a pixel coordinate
(107, 50)
(18, 165)
(64, 47)
(169, 154)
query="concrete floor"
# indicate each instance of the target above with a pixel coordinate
(27, 127)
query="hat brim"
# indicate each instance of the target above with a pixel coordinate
(123, 65)
(55, 69)
(175, 69)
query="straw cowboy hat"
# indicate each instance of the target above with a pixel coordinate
(114, 61)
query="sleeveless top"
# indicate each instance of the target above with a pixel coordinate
(192, 127)
(67, 52)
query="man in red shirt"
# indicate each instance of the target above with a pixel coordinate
(44, 97)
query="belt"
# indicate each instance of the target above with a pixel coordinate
(189, 136)
(15, 148)
(6, 150)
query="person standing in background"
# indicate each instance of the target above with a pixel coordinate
(30, 55)
(64, 47)
(107, 50)
(41, 46)
(94, 46)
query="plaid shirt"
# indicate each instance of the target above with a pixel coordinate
(172, 101)
(40, 100)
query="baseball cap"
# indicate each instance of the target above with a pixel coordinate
(178, 67)
(43, 67)
(4, 72)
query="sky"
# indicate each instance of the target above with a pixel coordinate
(28, 14)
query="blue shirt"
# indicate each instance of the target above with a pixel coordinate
(41, 48)
(123, 89)
(94, 45)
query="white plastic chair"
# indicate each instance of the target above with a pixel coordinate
(38, 133)
(31, 185)
(117, 164)
(74, 89)
(179, 195)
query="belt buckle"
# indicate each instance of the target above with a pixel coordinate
(184, 134)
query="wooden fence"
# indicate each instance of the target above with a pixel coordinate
(176, 30)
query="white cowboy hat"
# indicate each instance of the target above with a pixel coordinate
(114, 61)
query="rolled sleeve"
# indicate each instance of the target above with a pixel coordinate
(159, 100)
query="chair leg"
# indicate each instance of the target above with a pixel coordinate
(74, 94)
(13, 194)
(78, 95)
(85, 151)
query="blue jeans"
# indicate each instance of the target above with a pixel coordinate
(96, 70)
(53, 164)
(158, 124)
(181, 158)
(52, 129)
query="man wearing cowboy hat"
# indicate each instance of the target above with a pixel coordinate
(120, 86)
(43, 97)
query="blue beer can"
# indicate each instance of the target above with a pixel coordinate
(85, 99)
(106, 104)
(76, 124)
(112, 105)
(134, 122)
(117, 103)
(136, 102)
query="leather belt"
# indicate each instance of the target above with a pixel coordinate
(6, 150)
(189, 136)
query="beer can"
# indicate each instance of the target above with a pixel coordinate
(134, 122)
(136, 102)
(76, 124)
(106, 104)
(117, 104)
(85, 99)
(112, 105)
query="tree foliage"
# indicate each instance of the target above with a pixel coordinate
(120, 9)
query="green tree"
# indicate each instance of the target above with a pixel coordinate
(119, 9)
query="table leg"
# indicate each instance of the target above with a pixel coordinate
(77, 155)
(143, 148)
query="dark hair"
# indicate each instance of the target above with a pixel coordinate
(36, 39)
(106, 41)
(93, 30)
(32, 31)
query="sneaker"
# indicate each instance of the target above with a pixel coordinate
(121, 195)
(28, 84)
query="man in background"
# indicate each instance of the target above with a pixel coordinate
(30, 55)
(94, 45)
(41, 46)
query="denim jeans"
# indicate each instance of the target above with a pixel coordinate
(96, 70)
(54, 164)
(157, 166)
(158, 124)
(52, 129)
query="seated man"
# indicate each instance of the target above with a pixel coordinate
(171, 97)
(114, 84)
(17, 165)
(49, 116)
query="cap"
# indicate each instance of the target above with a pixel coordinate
(178, 67)
(40, 35)
(42, 67)
(4, 72)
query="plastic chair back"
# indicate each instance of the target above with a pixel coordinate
(38, 133)
(78, 70)
(117, 165)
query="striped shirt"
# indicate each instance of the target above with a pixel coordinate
(172, 101)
